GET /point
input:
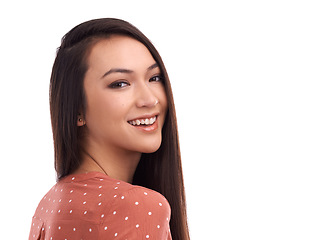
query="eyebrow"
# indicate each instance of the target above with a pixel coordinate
(128, 71)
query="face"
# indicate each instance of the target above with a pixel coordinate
(126, 100)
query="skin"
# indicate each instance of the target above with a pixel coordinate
(123, 83)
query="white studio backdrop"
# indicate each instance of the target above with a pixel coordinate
(246, 81)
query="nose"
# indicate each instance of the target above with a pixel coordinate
(145, 97)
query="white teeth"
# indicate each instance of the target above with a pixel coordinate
(152, 120)
(147, 121)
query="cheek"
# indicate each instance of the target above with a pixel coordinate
(105, 109)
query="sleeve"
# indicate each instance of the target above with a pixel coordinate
(36, 229)
(137, 214)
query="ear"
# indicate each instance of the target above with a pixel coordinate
(80, 121)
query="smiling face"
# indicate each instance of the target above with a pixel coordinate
(126, 100)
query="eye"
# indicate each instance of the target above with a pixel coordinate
(156, 78)
(118, 84)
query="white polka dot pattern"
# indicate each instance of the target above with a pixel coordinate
(95, 206)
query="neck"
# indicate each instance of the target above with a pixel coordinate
(116, 163)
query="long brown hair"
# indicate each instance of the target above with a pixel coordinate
(161, 170)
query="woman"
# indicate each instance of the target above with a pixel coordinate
(117, 153)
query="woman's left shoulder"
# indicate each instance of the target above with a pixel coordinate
(141, 199)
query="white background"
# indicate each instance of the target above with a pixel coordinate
(246, 80)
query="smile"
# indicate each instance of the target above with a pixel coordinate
(144, 121)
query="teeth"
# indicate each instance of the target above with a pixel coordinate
(152, 120)
(146, 121)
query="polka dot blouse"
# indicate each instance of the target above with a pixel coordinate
(95, 206)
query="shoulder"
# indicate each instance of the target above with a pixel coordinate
(136, 213)
(83, 195)
(77, 204)
(140, 197)
(91, 196)
(94, 203)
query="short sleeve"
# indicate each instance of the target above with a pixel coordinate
(36, 229)
(137, 214)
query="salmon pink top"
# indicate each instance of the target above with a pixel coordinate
(95, 206)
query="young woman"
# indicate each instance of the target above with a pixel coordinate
(117, 153)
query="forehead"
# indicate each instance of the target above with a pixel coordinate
(119, 51)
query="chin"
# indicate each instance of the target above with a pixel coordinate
(150, 147)
(150, 150)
